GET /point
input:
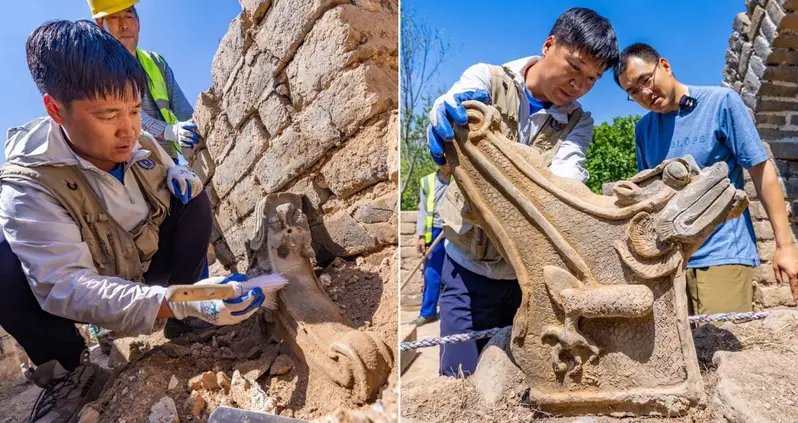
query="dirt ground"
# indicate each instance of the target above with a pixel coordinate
(760, 384)
(264, 373)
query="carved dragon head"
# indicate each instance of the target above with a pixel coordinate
(692, 203)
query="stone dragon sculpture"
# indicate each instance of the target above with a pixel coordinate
(603, 323)
(311, 322)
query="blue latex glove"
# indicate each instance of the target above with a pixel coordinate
(183, 133)
(440, 130)
(221, 312)
(183, 183)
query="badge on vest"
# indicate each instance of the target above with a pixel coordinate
(556, 125)
(146, 164)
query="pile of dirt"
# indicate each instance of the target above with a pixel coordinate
(748, 370)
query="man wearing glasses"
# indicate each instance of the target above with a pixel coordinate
(711, 124)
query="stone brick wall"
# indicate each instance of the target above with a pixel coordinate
(762, 65)
(411, 287)
(304, 100)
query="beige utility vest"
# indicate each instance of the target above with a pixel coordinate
(506, 97)
(115, 251)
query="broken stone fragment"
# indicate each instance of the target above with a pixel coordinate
(89, 414)
(195, 383)
(125, 350)
(282, 365)
(164, 411)
(209, 381)
(173, 383)
(195, 404)
(249, 395)
(223, 381)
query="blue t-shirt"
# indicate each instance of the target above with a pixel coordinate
(719, 128)
(119, 172)
(534, 104)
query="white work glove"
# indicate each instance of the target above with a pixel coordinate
(183, 133)
(183, 183)
(221, 312)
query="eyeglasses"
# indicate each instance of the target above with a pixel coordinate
(645, 84)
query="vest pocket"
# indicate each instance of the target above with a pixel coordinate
(146, 240)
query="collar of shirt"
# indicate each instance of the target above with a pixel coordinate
(519, 68)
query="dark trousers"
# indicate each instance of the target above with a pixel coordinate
(181, 257)
(432, 278)
(471, 302)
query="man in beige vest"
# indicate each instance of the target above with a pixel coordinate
(96, 218)
(537, 98)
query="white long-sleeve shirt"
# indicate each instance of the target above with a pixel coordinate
(568, 161)
(48, 243)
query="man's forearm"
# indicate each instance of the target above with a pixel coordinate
(767, 187)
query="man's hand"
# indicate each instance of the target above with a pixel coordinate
(183, 133)
(221, 312)
(440, 130)
(785, 267)
(421, 245)
(183, 183)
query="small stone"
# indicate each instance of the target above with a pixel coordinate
(223, 381)
(195, 404)
(124, 391)
(227, 353)
(164, 411)
(172, 383)
(89, 414)
(174, 350)
(254, 353)
(282, 365)
(195, 383)
(209, 381)
(226, 339)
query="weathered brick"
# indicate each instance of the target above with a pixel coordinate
(289, 155)
(380, 210)
(226, 215)
(783, 57)
(359, 164)
(789, 23)
(202, 164)
(771, 119)
(769, 29)
(250, 144)
(236, 239)
(764, 231)
(206, 111)
(313, 196)
(221, 138)
(756, 22)
(773, 296)
(752, 81)
(745, 55)
(777, 135)
(789, 5)
(212, 195)
(285, 26)
(773, 90)
(777, 106)
(794, 119)
(341, 235)
(741, 23)
(223, 253)
(761, 47)
(764, 274)
(342, 37)
(275, 113)
(757, 210)
(782, 168)
(784, 150)
(766, 250)
(245, 195)
(775, 12)
(787, 41)
(253, 83)
(231, 49)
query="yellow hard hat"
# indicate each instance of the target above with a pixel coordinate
(103, 8)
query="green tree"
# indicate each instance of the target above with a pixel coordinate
(416, 161)
(611, 156)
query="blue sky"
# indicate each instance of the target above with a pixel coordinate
(692, 35)
(185, 34)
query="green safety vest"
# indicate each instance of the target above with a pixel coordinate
(155, 67)
(428, 185)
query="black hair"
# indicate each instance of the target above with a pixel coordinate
(588, 32)
(79, 60)
(639, 50)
